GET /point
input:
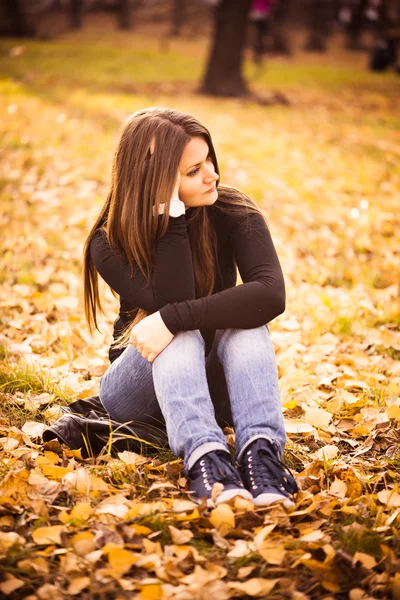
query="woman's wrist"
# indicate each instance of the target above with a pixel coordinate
(176, 207)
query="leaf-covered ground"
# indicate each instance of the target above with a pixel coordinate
(325, 169)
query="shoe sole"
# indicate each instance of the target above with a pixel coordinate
(267, 499)
(229, 494)
(225, 497)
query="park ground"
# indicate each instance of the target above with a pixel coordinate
(324, 167)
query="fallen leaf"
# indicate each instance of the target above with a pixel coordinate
(389, 497)
(222, 518)
(33, 429)
(318, 417)
(180, 536)
(78, 584)
(254, 587)
(338, 488)
(121, 560)
(366, 560)
(9, 539)
(48, 535)
(10, 584)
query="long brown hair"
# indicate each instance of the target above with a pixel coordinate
(143, 175)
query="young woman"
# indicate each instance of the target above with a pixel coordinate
(191, 350)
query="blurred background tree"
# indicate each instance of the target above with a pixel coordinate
(364, 25)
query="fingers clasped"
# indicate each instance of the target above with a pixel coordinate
(147, 354)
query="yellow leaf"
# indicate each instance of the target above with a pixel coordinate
(262, 534)
(33, 429)
(389, 497)
(366, 560)
(152, 547)
(83, 543)
(272, 552)
(81, 511)
(121, 560)
(49, 592)
(152, 591)
(48, 458)
(55, 472)
(193, 516)
(338, 488)
(48, 535)
(254, 587)
(180, 536)
(223, 518)
(140, 529)
(351, 478)
(37, 565)
(393, 412)
(328, 452)
(77, 585)
(240, 549)
(296, 426)
(8, 539)
(244, 572)
(183, 505)
(83, 482)
(313, 536)
(63, 516)
(201, 577)
(318, 417)
(9, 585)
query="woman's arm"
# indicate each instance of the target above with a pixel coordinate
(260, 299)
(172, 279)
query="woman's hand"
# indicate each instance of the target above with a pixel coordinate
(151, 336)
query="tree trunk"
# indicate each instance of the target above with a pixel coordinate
(223, 75)
(319, 22)
(279, 15)
(177, 17)
(14, 21)
(355, 29)
(124, 14)
(75, 13)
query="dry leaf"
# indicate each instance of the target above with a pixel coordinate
(180, 536)
(48, 535)
(121, 560)
(81, 511)
(222, 518)
(318, 417)
(366, 560)
(255, 587)
(338, 488)
(9, 539)
(77, 585)
(10, 584)
(389, 497)
(33, 429)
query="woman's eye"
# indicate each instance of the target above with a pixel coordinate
(196, 170)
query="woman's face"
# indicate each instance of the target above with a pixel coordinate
(198, 176)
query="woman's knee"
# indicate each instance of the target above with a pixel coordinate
(242, 343)
(184, 343)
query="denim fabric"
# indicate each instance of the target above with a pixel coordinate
(194, 395)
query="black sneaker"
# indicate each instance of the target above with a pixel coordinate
(265, 476)
(216, 467)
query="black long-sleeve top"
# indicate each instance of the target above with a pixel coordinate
(243, 241)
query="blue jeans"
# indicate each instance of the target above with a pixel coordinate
(194, 395)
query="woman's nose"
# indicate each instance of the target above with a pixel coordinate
(212, 175)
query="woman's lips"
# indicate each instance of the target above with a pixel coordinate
(211, 189)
